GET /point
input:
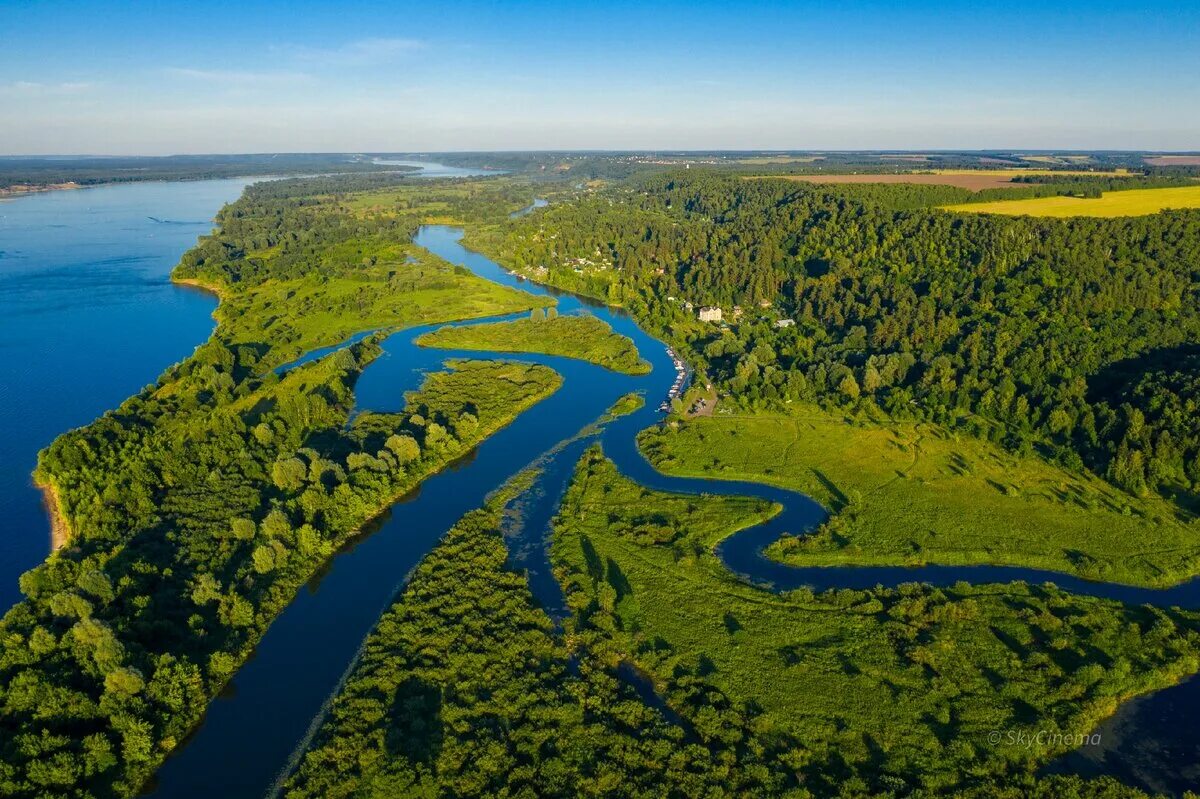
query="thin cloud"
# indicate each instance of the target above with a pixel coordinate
(361, 52)
(29, 88)
(238, 78)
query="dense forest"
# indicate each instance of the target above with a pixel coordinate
(1065, 335)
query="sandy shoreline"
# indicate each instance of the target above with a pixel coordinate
(23, 189)
(215, 290)
(60, 531)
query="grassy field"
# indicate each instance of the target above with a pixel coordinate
(1135, 202)
(292, 317)
(1016, 172)
(584, 337)
(911, 494)
(948, 666)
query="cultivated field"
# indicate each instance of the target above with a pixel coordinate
(972, 179)
(1174, 160)
(1136, 202)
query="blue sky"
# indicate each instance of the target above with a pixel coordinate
(157, 78)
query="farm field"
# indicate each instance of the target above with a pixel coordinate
(905, 493)
(1174, 160)
(972, 179)
(1135, 202)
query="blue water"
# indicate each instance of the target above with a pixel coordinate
(432, 170)
(87, 318)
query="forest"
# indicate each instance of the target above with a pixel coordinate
(1047, 335)
(93, 171)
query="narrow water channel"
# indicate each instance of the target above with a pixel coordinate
(250, 732)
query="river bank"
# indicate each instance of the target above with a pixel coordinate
(22, 189)
(60, 529)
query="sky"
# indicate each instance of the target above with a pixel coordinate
(157, 78)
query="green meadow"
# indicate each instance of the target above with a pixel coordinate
(905, 493)
(584, 337)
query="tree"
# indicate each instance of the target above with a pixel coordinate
(289, 474)
(405, 448)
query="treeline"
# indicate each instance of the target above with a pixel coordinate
(301, 228)
(127, 169)
(994, 324)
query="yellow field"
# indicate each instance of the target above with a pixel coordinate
(1135, 202)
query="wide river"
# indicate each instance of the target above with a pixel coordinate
(252, 731)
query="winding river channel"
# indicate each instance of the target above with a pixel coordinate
(251, 733)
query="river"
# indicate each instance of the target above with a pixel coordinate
(251, 731)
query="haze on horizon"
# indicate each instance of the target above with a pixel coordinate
(102, 78)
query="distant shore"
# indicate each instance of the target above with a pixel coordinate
(60, 531)
(21, 189)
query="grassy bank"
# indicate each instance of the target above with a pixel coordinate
(584, 337)
(905, 493)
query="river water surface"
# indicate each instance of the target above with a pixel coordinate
(250, 732)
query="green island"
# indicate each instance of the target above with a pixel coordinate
(584, 337)
(464, 688)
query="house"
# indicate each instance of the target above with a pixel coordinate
(782, 323)
(710, 313)
(687, 306)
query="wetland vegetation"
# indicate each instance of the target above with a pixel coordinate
(583, 337)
